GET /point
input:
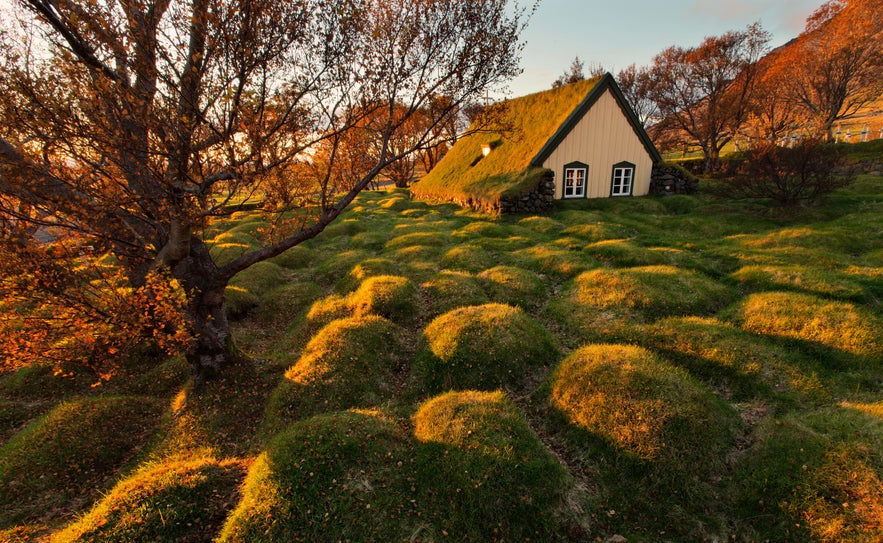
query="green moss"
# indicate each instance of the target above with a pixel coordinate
(623, 253)
(451, 289)
(607, 303)
(296, 258)
(641, 405)
(840, 326)
(348, 363)
(172, 501)
(514, 286)
(370, 267)
(553, 261)
(393, 297)
(482, 347)
(67, 456)
(470, 258)
(814, 476)
(800, 277)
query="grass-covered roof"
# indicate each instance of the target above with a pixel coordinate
(523, 128)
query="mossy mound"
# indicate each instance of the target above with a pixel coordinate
(481, 229)
(474, 472)
(348, 363)
(285, 303)
(248, 287)
(547, 259)
(487, 468)
(606, 303)
(344, 476)
(471, 258)
(623, 253)
(389, 296)
(64, 459)
(841, 326)
(393, 297)
(542, 225)
(182, 501)
(728, 358)
(642, 406)
(483, 347)
(514, 286)
(451, 289)
(814, 476)
(336, 266)
(423, 239)
(371, 267)
(296, 258)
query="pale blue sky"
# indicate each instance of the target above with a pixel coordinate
(616, 33)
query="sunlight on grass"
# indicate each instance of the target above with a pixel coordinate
(484, 347)
(167, 501)
(449, 290)
(810, 279)
(838, 325)
(640, 404)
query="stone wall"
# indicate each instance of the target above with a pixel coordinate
(669, 179)
(536, 200)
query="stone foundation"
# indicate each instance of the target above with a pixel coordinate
(533, 201)
(667, 179)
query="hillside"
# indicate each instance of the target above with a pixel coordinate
(683, 368)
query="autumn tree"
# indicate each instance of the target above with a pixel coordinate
(773, 113)
(637, 86)
(705, 92)
(132, 124)
(834, 68)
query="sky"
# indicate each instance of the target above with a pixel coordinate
(616, 33)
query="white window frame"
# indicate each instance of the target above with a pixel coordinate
(623, 179)
(576, 176)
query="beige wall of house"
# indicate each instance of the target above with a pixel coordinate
(602, 138)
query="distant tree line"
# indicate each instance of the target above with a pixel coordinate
(733, 86)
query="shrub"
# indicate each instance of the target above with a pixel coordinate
(183, 501)
(482, 347)
(789, 176)
(642, 405)
(67, 456)
(348, 363)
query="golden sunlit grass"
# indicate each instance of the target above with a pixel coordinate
(607, 303)
(168, 501)
(348, 363)
(470, 258)
(800, 277)
(837, 325)
(822, 470)
(640, 404)
(738, 363)
(370, 267)
(390, 296)
(623, 253)
(548, 259)
(483, 347)
(449, 290)
(514, 286)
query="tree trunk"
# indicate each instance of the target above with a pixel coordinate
(213, 347)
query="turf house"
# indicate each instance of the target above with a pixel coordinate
(577, 141)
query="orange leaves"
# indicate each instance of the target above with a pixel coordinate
(59, 306)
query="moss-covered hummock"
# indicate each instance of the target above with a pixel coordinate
(64, 459)
(471, 470)
(348, 363)
(180, 501)
(482, 347)
(641, 405)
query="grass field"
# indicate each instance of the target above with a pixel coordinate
(685, 368)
